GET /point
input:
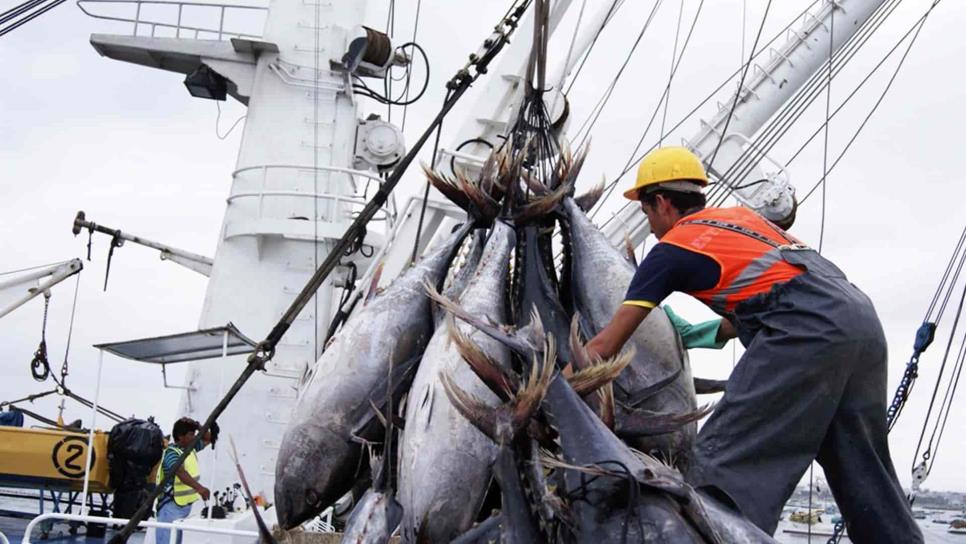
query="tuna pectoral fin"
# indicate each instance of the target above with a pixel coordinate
(636, 398)
(542, 205)
(512, 341)
(642, 423)
(707, 387)
(369, 419)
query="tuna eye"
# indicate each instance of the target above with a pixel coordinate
(311, 497)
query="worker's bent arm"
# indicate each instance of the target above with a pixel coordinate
(612, 338)
(188, 480)
(726, 331)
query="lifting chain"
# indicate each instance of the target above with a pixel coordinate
(39, 367)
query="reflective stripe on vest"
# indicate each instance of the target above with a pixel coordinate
(747, 248)
(183, 493)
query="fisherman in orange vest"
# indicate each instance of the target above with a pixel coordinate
(812, 381)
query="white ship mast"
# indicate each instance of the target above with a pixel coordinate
(292, 192)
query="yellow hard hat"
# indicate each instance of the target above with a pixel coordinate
(668, 164)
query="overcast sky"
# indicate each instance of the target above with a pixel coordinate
(130, 147)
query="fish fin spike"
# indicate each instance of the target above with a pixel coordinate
(607, 408)
(582, 359)
(629, 248)
(374, 282)
(473, 409)
(538, 333)
(488, 370)
(532, 393)
(588, 200)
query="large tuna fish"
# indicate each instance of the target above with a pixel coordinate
(319, 458)
(659, 378)
(444, 467)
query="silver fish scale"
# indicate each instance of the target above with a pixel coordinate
(444, 466)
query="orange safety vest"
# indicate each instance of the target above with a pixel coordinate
(746, 246)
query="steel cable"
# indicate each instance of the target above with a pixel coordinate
(795, 108)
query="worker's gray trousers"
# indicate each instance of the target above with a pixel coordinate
(811, 385)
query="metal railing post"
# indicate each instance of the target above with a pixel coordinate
(90, 434)
(221, 22)
(177, 30)
(137, 18)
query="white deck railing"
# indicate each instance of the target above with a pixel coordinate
(178, 19)
(175, 527)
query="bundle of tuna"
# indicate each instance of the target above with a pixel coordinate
(481, 396)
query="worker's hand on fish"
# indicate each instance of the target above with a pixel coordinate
(713, 334)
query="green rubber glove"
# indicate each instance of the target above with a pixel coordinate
(701, 335)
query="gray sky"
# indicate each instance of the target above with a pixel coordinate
(130, 147)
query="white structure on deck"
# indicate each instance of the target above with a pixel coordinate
(293, 191)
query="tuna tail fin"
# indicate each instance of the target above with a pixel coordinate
(643, 423)
(588, 200)
(469, 196)
(542, 205)
(592, 378)
(501, 382)
(502, 423)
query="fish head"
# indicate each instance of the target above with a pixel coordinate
(310, 473)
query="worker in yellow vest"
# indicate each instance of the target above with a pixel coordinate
(812, 381)
(176, 500)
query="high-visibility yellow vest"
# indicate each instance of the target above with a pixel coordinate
(183, 493)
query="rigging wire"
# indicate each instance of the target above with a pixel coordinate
(914, 28)
(29, 268)
(570, 52)
(611, 12)
(796, 107)
(632, 160)
(599, 107)
(419, 5)
(670, 77)
(218, 121)
(741, 84)
(664, 96)
(828, 108)
(917, 27)
(29, 17)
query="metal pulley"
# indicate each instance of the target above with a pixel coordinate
(370, 53)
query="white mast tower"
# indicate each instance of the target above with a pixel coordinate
(293, 192)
